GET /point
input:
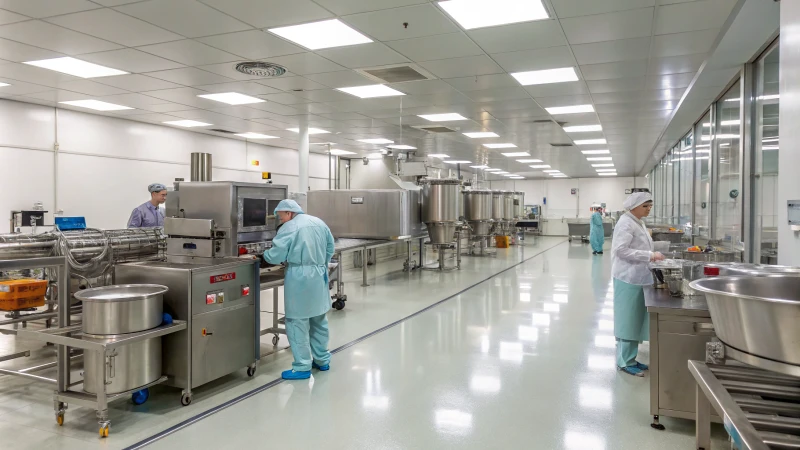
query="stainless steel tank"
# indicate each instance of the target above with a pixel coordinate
(130, 367)
(519, 204)
(508, 206)
(440, 208)
(497, 205)
(121, 309)
(478, 211)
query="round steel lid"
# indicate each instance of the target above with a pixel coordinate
(120, 292)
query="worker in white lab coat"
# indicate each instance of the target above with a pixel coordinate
(631, 252)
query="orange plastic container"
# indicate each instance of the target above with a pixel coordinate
(502, 241)
(20, 294)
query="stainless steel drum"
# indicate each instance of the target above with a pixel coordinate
(508, 206)
(715, 256)
(673, 237)
(440, 208)
(478, 211)
(760, 270)
(497, 205)
(756, 315)
(519, 204)
(121, 309)
(130, 367)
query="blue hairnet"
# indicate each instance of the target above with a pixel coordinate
(156, 187)
(290, 206)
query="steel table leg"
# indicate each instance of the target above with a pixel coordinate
(703, 421)
(275, 307)
(364, 268)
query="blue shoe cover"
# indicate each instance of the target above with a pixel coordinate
(321, 368)
(632, 370)
(641, 366)
(292, 375)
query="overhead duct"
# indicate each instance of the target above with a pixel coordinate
(201, 167)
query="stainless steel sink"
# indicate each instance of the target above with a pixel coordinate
(758, 315)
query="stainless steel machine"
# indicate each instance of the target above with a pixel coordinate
(217, 297)
(478, 215)
(440, 212)
(369, 213)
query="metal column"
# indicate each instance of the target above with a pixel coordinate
(364, 267)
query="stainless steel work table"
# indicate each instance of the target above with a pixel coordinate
(679, 330)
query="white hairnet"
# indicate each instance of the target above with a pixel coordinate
(636, 199)
(156, 187)
(290, 206)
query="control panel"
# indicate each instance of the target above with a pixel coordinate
(255, 248)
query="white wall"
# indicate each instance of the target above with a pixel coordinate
(105, 164)
(789, 157)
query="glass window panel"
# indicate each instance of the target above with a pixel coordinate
(766, 158)
(728, 207)
(685, 158)
(669, 189)
(702, 190)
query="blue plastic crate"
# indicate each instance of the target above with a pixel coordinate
(70, 223)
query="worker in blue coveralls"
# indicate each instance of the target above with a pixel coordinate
(305, 244)
(148, 214)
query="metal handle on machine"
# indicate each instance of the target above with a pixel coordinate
(112, 371)
(705, 328)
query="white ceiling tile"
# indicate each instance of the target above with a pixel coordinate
(445, 98)
(111, 3)
(538, 59)
(482, 82)
(131, 60)
(20, 87)
(676, 64)
(189, 52)
(693, 16)
(153, 118)
(657, 106)
(328, 95)
(14, 51)
(452, 45)
(276, 108)
(662, 94)
(343, 7)
(306, 63)
(52, 37)
(185, 17)
(115, 27)
(341, 78)
(316, 108)
(32, 74)
(459, 67)
(612, 51)
(567, 100)
(616, 85)
(387, 25)
(58, 96)
(679, 80)
(189, 76)
(10, 17)
(366, 55)
(242, 87)
(137, 83)
(184, 95)
(607, 27)
(572, 8)
(290, 83)
(271, 13)
(90, 88)
(285, 98)
(252, 44)
(615, 97)
(621, 69)
(684, 43)
(568, 88)
(520, 36)
(423, 87)
(46, 8)
(494, 95)
(137, 101)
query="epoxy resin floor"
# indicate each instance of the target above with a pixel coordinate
(524, 359)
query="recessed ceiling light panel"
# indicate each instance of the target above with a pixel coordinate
(600, 158)
(448, 117)
(324, 34)
(439, 155)
(378, 141)
(516, 154)
(481, 134)
(188, 123)
(96, 105)
(595, 152)
(371, 91)
(76, 67)
(472, 14)
(310, 130)
(336, 152)
(505, 145)
(583, 128)
(575, 109)
(602, 165)
(529, 161)
(232, 98)
(401, 147)
(542, 166)
(590, 141)
(456, 161)
(256, 136)
(4, 84)
(548, 76)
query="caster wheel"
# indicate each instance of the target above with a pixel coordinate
(186, 399)
(139, 397)
(251, 371)
(338, 305)
(60, 418)
(275, 340)
(103, 431)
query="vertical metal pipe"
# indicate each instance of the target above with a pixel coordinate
(62, 351)
(201, 167)
(330, 168)
(364, 267)
(303, 150)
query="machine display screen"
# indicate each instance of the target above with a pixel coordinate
(254, 212)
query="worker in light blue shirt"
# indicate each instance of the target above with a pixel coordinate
(148, 214)
(305, 244)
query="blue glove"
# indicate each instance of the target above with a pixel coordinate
(166, 319)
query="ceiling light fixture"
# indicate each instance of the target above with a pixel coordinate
(337, 152)
(493, 170)
(249, 135)
(583, 128)
(458, 161)
(310, 130)
(506, 145)
(551, 171)
(472, 14)
(517, 178)
(378, 141)
(479, 167)
(4, 84)
(590, 141)
(529, 161)
(97, 105)
(324, 34)
(548, 76)
(502, 172)
(576, 109)
(595, 152)
(608, 174)
(401, 147)
(602, 165)
(481, 134)
(439, 155)
(559, 176)
(544, 166)
(724, 123)
(448, 117)
(188, 123)
(76, 67)
(606, 170)
(516, 154)
(600, 158)
(232, 98)
(371, 91)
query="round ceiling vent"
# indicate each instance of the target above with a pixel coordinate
(260, 69)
